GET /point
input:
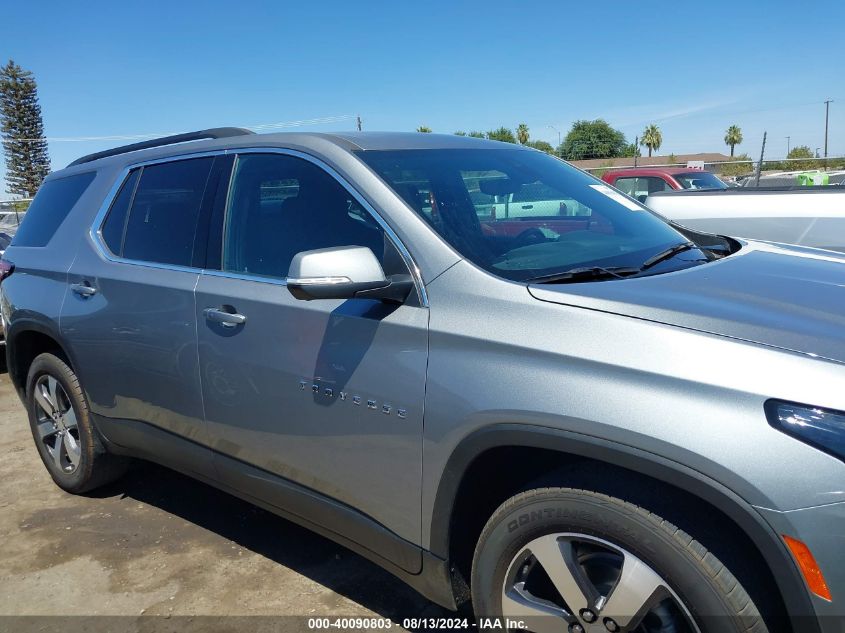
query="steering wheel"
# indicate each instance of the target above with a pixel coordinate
(528, 237)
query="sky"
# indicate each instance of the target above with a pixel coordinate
(144, 68)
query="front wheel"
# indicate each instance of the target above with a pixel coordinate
(560, 559)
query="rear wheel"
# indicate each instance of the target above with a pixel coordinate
(61, 426)
(559, 559)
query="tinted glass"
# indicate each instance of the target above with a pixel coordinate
(51, 205)
(281, 205)
(112, 230)
(163, 219)
(540, 216)
(641, 187)
(700, 180)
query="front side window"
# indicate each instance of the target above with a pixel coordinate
(162, 222)
(281, 205)
(521, 214)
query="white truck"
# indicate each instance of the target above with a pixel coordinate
(808, 216)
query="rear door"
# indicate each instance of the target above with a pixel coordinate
(326, 394)
(130, 318)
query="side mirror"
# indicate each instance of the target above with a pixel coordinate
(344, 272)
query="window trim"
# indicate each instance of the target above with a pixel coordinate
(95, 232)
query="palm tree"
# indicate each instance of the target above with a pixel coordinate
(522, 133)
(733, 137)
(651, 138)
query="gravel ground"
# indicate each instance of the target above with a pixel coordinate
(157, 543)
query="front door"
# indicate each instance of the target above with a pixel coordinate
(326, 394)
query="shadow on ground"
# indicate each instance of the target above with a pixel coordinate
(277, 539)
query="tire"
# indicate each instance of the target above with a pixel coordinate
(607, 557)
(67, 442)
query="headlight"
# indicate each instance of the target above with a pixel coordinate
(822, 428)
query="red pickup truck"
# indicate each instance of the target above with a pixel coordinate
(640, 182)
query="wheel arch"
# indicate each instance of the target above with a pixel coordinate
(536, 439)
(26, 339)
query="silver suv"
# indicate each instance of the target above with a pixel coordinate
(598, 421)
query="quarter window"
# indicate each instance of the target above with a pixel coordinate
(281, 205)
(163, 219)
(50, 207)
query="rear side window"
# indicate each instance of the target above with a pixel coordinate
(112, 230)
(163, 218)
(50, 207)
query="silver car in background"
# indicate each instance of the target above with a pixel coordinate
(806, 216)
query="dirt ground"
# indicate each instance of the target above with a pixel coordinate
(157, 543)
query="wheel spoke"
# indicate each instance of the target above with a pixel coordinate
(534, 614)
(56, 452)
(72, 448)
(637, 590)
(53, 387)
(558, 560)
(45, 429)
(43, 398)
(69, 419)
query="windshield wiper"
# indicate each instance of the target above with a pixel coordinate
(668, 253)
(584, 273)
(587, 273)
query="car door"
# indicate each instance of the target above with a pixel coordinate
(129, 317)
(328, 394)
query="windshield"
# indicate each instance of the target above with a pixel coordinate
(521, 214)
(700, 180)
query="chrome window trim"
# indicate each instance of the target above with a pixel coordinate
(96, 227)
(96, 231)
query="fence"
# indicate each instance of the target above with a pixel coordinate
(745, 166)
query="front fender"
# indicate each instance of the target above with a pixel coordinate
(770, 545)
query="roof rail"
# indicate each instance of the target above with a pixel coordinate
(217, 132)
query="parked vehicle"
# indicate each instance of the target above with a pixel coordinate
(603, 420)
(534, 201)
(795, 178)
(807, 216)
(640, 182)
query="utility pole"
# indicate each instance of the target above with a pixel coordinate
(636, 147)
(760, 164)
(787, 147)
(359, 122)
(826, 113)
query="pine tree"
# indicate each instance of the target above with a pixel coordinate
(27, 161)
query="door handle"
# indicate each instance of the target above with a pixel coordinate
(527, 206)
(226, 319)
(84, 290)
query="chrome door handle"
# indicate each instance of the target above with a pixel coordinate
(226, 319)
(84, 290)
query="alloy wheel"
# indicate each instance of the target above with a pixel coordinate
(57, 424)
(581, 584)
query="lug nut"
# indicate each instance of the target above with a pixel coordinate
(588, 616)
(576, 628)
(610, 625)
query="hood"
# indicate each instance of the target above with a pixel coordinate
(772, 294)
